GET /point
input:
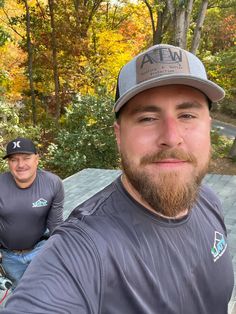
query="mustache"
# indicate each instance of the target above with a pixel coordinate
(167, 154)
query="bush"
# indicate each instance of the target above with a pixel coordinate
(221, 145)
(86, 139)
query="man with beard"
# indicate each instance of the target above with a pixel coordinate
(153, 241)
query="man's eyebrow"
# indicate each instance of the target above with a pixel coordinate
(190, 105)
(155, 109)
(146, 108)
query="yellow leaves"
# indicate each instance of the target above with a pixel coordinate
(11, 55)
(113, 50)
(115, 38)
(91, 122)
(11, 10)
(11, 59)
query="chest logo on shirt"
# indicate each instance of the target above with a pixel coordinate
(40, 203)
(219, 246)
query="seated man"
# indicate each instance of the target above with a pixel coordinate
(31, 202)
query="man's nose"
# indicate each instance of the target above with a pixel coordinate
(171, 133)
(20, 163)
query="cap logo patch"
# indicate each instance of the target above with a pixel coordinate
(16, 144)
(161, 61)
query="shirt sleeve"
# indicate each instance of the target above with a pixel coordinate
(55, 215)
(65, 277)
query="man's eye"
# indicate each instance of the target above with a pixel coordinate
(147, 119)
(187, 116)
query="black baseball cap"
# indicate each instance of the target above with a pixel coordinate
(20, 145)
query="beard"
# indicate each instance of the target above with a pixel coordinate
(168, 193)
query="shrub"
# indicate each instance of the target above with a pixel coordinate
(221, 145)
(86, 139)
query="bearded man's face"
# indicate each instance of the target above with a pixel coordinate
(163, 135)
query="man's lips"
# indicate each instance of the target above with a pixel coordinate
(21, 170)
(169, 158)
(169, 163)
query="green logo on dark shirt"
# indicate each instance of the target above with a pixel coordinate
(40, 203)
(219, 246)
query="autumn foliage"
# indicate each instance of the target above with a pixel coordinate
(52, 51)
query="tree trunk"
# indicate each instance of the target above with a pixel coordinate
(30, 62)
(154, 35)
(232, 153)
(54, 60)
(198, 28)
(158, 32)
(181, 21)
(180, 35)
(84, 12)
(162, 20)
(188, 14)
(171, 6)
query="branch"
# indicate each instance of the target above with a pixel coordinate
(40, 8)
(11, 27)
(151, 15)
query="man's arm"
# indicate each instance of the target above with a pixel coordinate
(55, 215)
(65, 277)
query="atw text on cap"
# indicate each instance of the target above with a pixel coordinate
(20, 146)
(163, 65)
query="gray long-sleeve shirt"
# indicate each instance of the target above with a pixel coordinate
(25, 214)
(113, 256)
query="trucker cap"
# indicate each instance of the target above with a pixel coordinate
(20, 146)
(162, 65)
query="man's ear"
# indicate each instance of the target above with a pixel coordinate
(37, 158)
(117, 133)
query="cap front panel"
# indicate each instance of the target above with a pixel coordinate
(164, 65)
(20, 145)
(161, 61)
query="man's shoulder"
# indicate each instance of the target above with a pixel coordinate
(207, 193)
(5, 176)
(109, 213)
(98, 204)
(7, 185)
(48, 175)
(210, 202)
(101, 220)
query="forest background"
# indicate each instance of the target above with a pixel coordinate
(59, 61)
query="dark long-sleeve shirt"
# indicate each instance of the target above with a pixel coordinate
(25, 214)
(114, 256)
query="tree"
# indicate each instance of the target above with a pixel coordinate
(54, 59)
(84, 12)
(117, 33)
(174, 21)
(218, 51)
(12, 77)
(182, 14)
(198, 27)
(30, 60)
(170, 15)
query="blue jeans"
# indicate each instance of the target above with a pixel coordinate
(15, 264)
